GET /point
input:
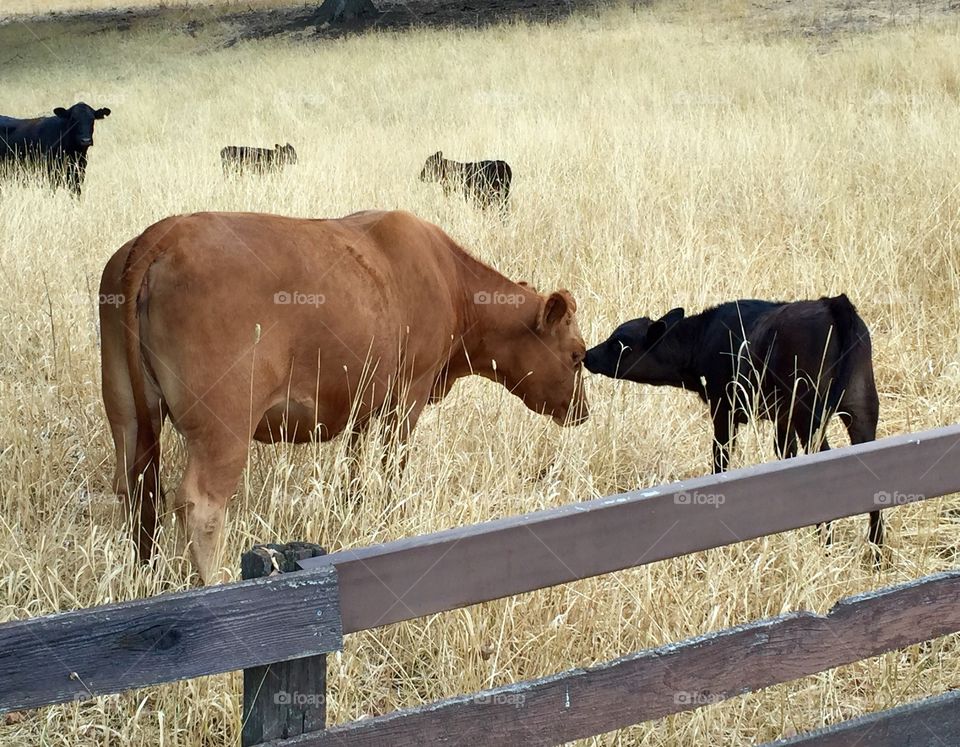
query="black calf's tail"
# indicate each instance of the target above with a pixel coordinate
(853, 340)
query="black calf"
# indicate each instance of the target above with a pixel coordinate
(792, 363)
(485, 182)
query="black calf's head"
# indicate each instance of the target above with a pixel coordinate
(80, 118)
(643, 350)
(433, 168)
(287, 153)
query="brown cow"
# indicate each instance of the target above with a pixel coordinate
(242, 325)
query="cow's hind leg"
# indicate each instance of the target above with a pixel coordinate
(135, 451)
(215, 464)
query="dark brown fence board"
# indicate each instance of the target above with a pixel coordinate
(286, 698)
(677, 677)
(423, 575)
(77, 655)
(931, 722)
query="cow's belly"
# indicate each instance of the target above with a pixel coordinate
(298, 422)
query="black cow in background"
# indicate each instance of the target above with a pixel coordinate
(55, 146)
(485, 182)
(796, 364)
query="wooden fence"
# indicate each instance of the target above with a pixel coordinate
(277, 628)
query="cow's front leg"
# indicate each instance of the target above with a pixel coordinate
(74, 175)
(398, 425)
(390, 431)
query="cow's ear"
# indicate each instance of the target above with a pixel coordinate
(659, 328)
(554, 309)
(101, 113)
(61, 112)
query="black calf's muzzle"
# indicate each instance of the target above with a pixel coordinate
(591, 360)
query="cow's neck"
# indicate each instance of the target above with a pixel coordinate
(496, 313)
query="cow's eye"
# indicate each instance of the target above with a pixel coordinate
(578, 357)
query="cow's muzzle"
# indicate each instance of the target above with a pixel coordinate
(577, 412)
(86, 142)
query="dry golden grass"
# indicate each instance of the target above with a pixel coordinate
(657, 163)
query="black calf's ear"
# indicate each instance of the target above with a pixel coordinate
(61, 112)
(659, 328)
(101, 113)
(655, 331)
(672, 317)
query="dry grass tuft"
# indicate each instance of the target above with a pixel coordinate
(658, 163)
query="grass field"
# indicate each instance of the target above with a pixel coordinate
(659, 161)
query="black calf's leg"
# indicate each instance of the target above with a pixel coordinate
(809, 431)
(786, 442)
(724, 433)
(862, 427)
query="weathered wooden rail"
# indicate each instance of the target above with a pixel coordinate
(277, 628)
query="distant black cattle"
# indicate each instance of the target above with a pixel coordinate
(793, 363)
(485, 182)
(240, 158)
(54, 146)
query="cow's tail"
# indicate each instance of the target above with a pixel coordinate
(146, 466)
(853, 340)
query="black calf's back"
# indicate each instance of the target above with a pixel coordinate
(242, 158)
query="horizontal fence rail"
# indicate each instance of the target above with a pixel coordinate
(432, 573)
(931, 722)
(77, 655)
(678, 677)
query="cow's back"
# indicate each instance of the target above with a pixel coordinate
(33, 136)
(11, 133)
(329, 283)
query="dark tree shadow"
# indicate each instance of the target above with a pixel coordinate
(232, 25)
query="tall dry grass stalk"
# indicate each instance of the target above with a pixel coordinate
(657, 163)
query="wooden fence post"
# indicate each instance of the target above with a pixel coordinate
(287, 698)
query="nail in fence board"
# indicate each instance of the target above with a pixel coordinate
(673, 678)
(423, 575)
(117, 647)
(931, 722)
(287, 698)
